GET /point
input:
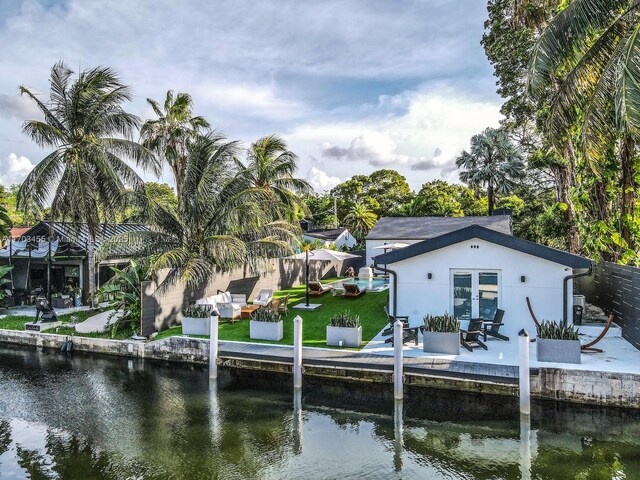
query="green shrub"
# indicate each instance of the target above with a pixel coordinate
(441, 323)
(557, 331)
(266, 315)
(344, 319)
(197, 311)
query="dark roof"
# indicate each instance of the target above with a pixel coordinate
(422, 228)
(483, 233)
(79, 234)
(325, 234)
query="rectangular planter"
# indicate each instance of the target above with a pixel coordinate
(196, 326)
(265, 330)
(441, 342)
(558, 351)
(350, 337)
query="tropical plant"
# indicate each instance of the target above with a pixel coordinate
(344, 319)
(171, 133)
(266, 315)
(218, 224)
(4, 281)
(5, 222)
(128, 296)
(589, 51)
(493, 161)
(441, 323)
(269, 170)
(557, 331)
(360, 220)
(197, 311)
(85, 177)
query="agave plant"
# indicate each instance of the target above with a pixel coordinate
(266, 315)
(441, 323)
(557, 331)
(197, 311)
(344, 319)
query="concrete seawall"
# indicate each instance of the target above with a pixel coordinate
(574, 386)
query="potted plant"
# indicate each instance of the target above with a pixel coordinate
(265, 324)
(77, 296)
(196, 320)
(441, 334)
(557, 343)
(344, 330)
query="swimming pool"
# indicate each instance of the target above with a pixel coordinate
(377, 284)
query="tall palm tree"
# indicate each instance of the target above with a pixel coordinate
(270, 168)
(360, 219)
(170, 134)
(85, 177)
(493, 161)
(592, 50)
(218, 224)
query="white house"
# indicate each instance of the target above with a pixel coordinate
(340, 237)
(472, 271)
(410, 230)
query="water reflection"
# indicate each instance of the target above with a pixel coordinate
(91, 417)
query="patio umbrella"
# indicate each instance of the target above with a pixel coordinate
(391, 246)
(320, 254)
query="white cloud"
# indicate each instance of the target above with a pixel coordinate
(320, 180)
(14, 169)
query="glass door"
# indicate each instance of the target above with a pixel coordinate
(475, 294)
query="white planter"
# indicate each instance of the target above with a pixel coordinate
(558, 351)
(350, 337)
(195, 326)
(441, 342)
(265, 330)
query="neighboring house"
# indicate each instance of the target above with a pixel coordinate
(339, 237)
(410, 230)
(470, 272)
(57, 251)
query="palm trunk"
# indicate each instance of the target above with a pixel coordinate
(627, 209)
(91, 247)
(490, 197)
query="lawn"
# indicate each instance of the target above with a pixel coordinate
(369, 307)
(16, 322)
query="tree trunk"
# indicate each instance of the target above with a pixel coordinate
(490, 197)
(627, 209)
(91, 247)
(566, 177)
(602, 211)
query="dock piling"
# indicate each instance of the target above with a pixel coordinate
(397, 360)
(525, 386)
(213, 347)
(297, 352)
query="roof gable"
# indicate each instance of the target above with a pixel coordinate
(482, 233)
(422, 228)
(325, 234)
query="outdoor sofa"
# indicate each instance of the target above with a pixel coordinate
(227, 304)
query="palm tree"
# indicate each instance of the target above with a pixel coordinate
(85, 177)
(218, 224)
(270, 168)
(493, 161)
(360, 219)
(591, 48)
(169, 135)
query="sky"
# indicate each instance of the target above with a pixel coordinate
(352, 85)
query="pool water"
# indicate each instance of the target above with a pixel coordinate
(375, 284)
(96, 417)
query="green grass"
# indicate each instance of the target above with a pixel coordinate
(369, 307)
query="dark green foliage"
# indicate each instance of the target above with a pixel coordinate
(197, 311)
(557, 331)
(441, 323)
(266, 315)
(344, 319)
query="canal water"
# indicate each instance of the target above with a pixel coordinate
(95, 417)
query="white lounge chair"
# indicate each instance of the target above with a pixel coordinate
(264, 298)
(228, 305)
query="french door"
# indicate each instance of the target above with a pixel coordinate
(475, 293)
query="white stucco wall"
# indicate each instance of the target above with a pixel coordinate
(418, 295)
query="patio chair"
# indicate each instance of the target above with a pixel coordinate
(45, 310)
(284, 305)
(492, 327)
(316, 289)
(470, 338)
(274, 305)
(392, 319)
(408, 333)
(264, 298)
(352, 290)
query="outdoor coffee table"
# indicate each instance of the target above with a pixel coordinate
(246, 312)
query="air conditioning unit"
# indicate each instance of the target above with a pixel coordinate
(580, 300)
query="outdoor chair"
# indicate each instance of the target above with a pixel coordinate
(492, 328)
(352, 290)
(470, 338)
(392, 319)
(274, 305)
(408, 333)
(264, 298)
(316, 289)
(284, 305)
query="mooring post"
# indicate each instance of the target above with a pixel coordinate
(297, 420)
(398, 435)
(525, 387)
(525, 447)
(397, 360)
(297, 352)
(213, 347)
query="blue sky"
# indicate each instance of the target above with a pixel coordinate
(353, 86)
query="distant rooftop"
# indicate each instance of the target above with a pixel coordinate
(422, 228)
(325, 234)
